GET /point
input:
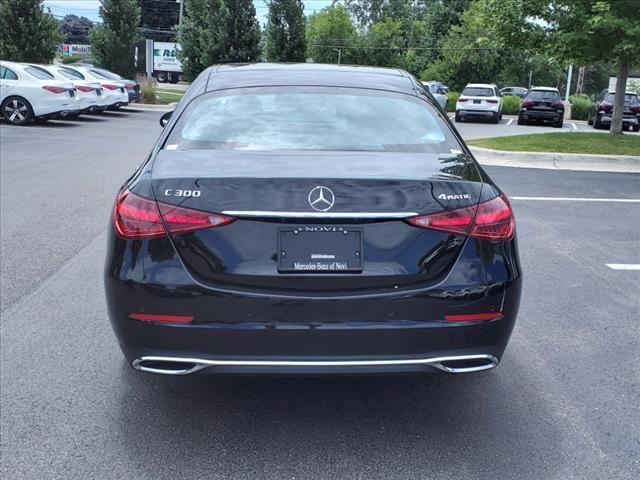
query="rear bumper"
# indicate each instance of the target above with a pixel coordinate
(257, 333)
(478, 113)
(542, 115)
(626, 120)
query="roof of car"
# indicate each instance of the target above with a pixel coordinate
(547, 89)
(480, 85)
(307, 74)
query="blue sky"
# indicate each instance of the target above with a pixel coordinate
(89, 8)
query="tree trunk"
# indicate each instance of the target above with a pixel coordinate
(618, 103)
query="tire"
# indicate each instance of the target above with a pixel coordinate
(596, 123)
(458, 118)
(16, 111)
(589, 121)
(496, 119)
(636, 128)
(500, 117)
(557, 124)
(172, 77)
(161, 77)
(520, 120)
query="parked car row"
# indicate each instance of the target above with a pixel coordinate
(42, 92)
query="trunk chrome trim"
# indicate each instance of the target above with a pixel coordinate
(193, 365)
(270, 213)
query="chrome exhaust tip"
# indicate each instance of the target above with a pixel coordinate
(186, 366)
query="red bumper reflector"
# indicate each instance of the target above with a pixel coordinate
(149, 317)
(474, 317)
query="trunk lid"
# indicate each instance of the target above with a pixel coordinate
(364, 194)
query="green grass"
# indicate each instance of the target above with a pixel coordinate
(565, 142)
(168, 96)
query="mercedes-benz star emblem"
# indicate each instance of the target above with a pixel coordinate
(321, 198)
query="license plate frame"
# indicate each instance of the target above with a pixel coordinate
(322, 249)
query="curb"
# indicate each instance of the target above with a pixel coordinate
(150, 108)
(557, 161)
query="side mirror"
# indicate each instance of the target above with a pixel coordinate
(164, 119)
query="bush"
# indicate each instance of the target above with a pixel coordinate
(148, 91)
(68, 60)
(580, 106)
(453, 98)
(511, 105)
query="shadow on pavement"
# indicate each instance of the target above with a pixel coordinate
(388, 427)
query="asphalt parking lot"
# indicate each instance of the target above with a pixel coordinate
(564, 403)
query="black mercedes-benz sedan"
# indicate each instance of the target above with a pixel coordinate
(311, 219)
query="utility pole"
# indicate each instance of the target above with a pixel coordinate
(181, 2)
(339, 50)
(580, 82)
(530, 75)
(568, 91)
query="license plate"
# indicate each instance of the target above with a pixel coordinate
(477, 101)
(306, 250)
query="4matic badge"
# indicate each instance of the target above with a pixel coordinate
(462, 196)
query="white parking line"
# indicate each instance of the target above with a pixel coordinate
(575, 127)
(510, 121)
(623, 266)
(577, 199)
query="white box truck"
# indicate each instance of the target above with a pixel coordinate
(166, 66)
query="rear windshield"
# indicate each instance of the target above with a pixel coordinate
(38, 72)
(543, 96)
(478, 92)
(70, 74)
(629, 98)
(311, 118)
(105, 74)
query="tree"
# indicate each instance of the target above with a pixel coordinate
(202, 35)
(158, 19)
(590, 31)
(331, 34)
(285, 34)
(75, 29)
(242, 36)
(27, 32)
(114, 41)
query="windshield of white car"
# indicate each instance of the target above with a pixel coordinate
(311, 118)
(478, 92)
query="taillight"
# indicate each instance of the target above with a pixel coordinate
(84, 88)
(527, 103)
(492, 101)
(109, 86)
(606, 106)
(129, 85)
(139, 217)
(557, 105)
(635, 108)
(462, 99)
(492, 219)
(55, 89)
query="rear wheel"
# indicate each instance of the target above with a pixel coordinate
(589, 120)
(520, 120)
(557, 124)
(172, 77)
(636, 128)
(458, 117)
(161, 77)
(17, 111)
(496, 118)
(596, 123)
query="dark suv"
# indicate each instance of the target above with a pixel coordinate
(542, 104)
(601, 111)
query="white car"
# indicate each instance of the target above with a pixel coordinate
(435, 88)
(114, 91)
(90, 94)
(479, 100)
(28, 92)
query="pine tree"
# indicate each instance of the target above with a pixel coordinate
(27, 32)
(285, 33)
(242, 36)
(113, 42)
(202, 35)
